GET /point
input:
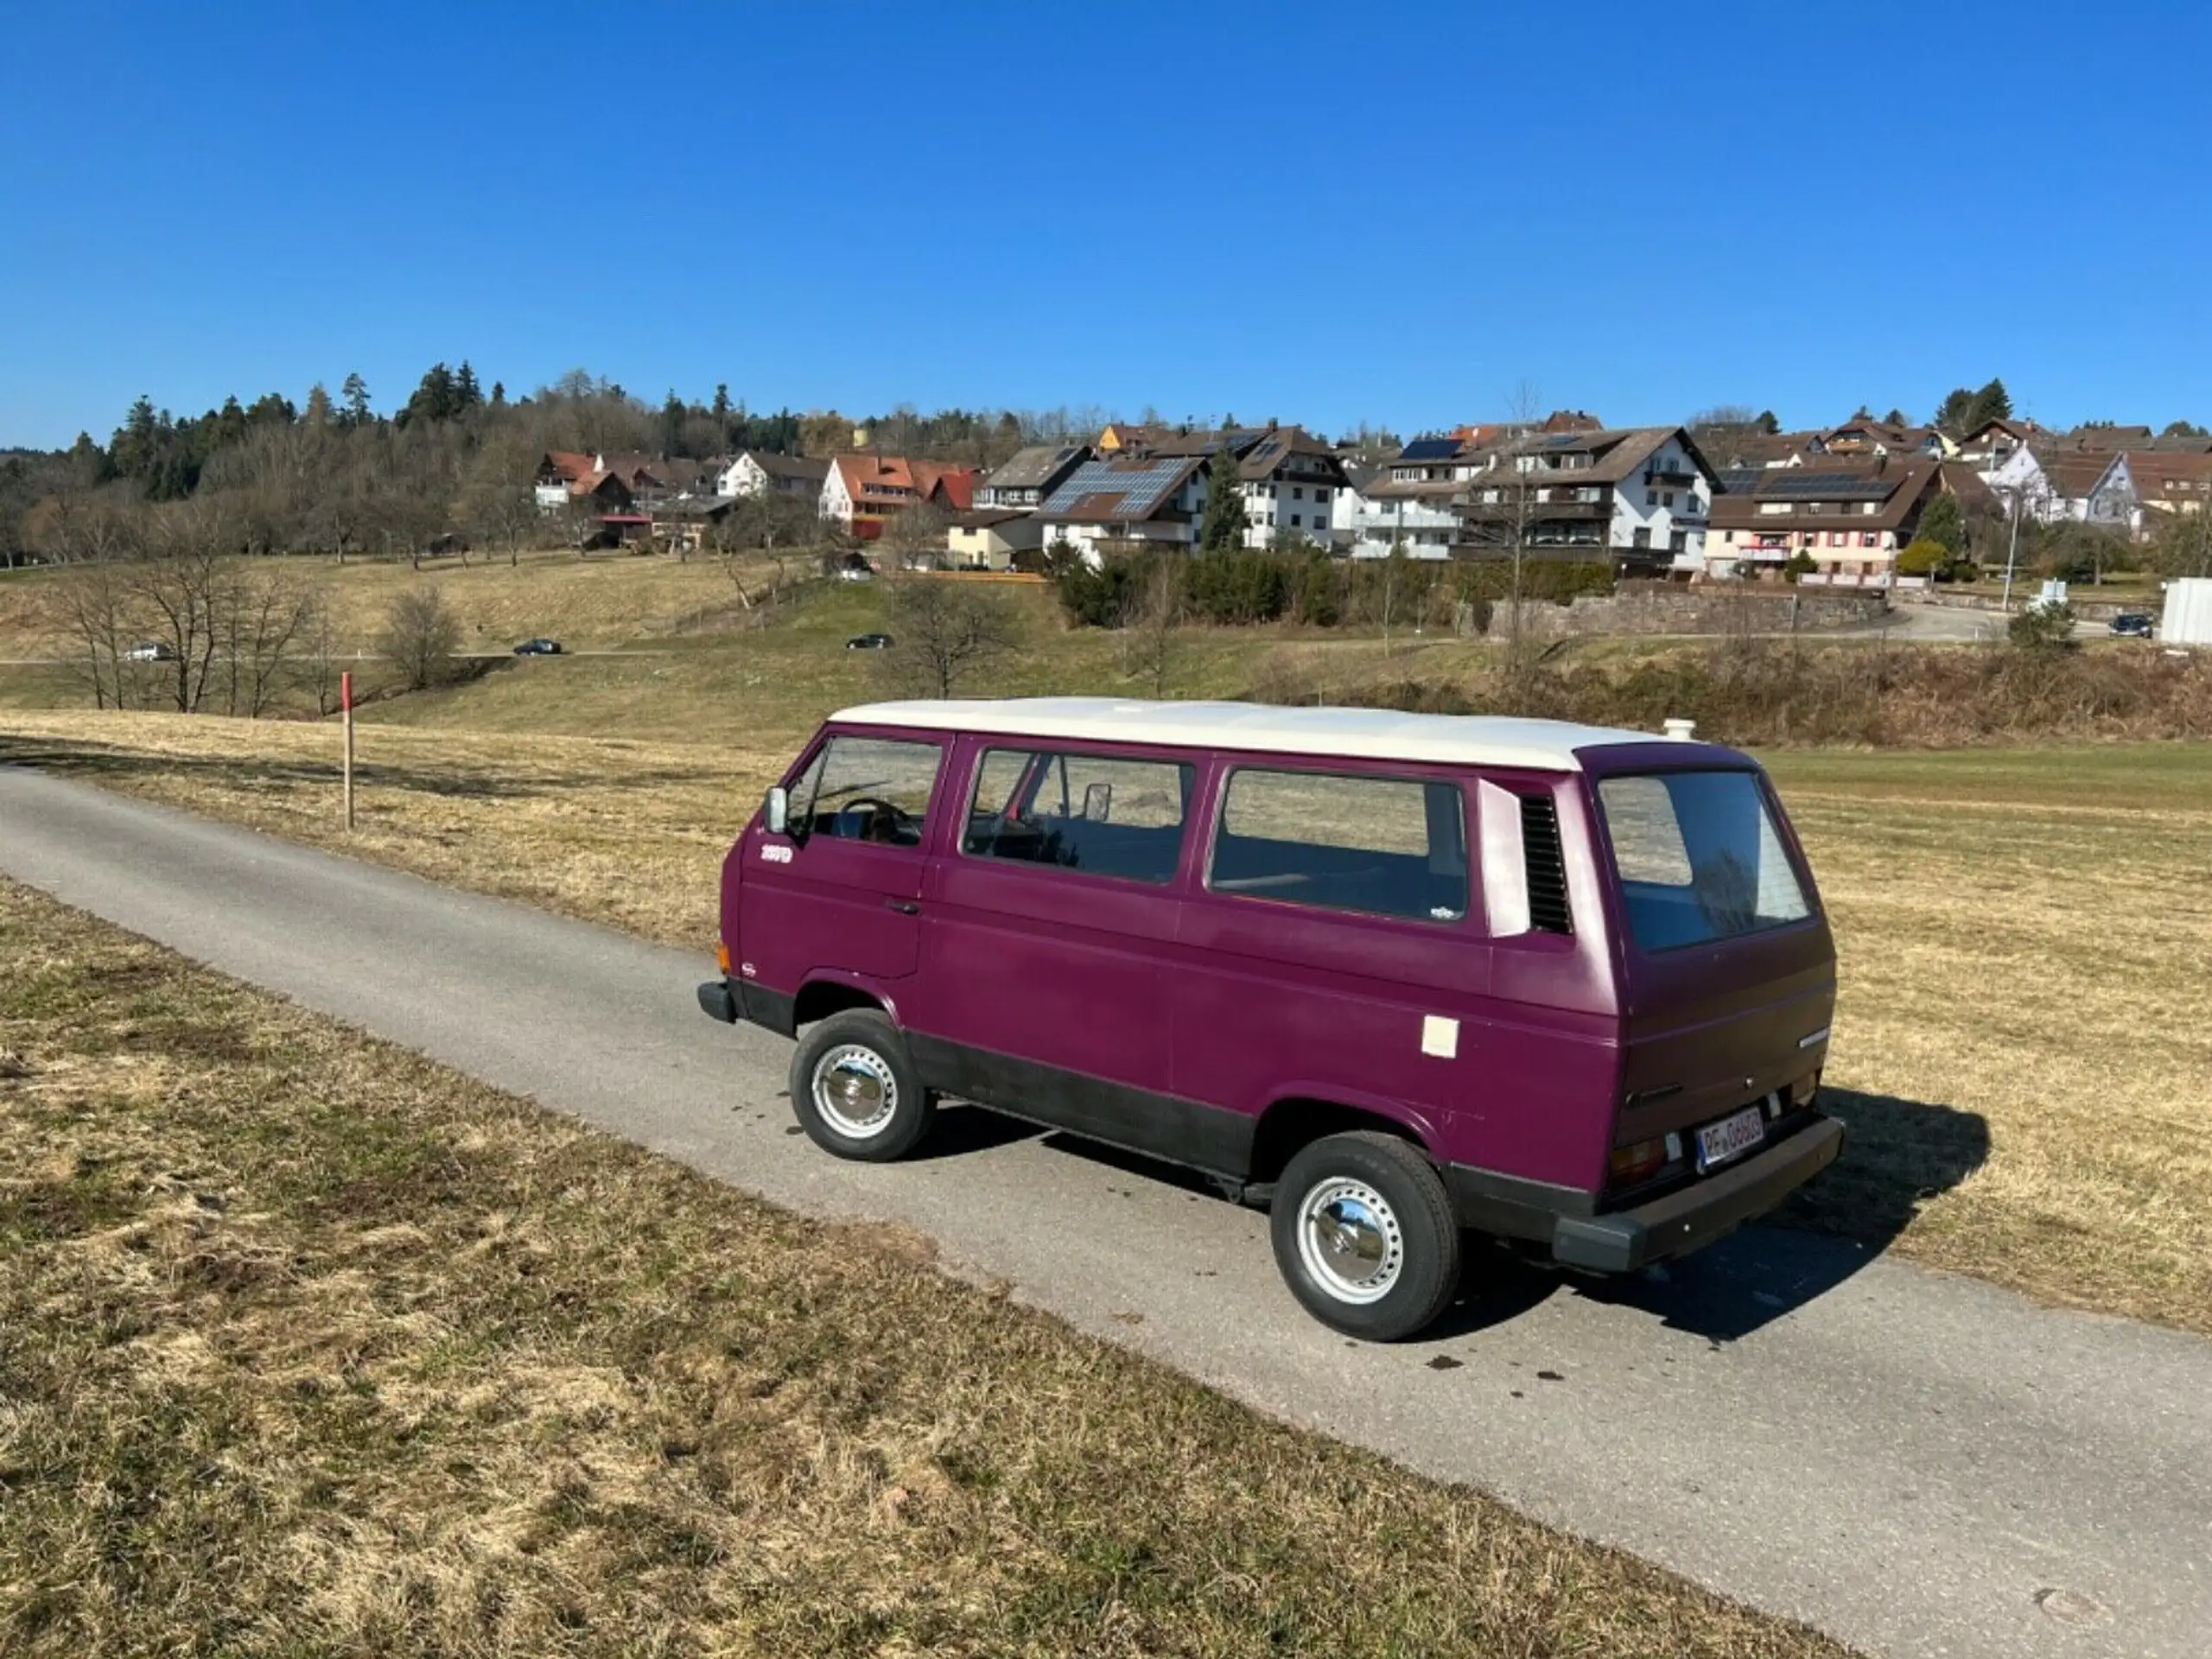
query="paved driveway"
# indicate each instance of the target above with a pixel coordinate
(1917, 1463)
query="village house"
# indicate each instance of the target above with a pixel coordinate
(2143, 487)
(861, 491)
(567, 480)
(1288, 477)
(992, 538)
(1407, 508)
(1155, 501)
(757, 471)
(1638, 496)
(1863, 434)
(1024, 479)
(1850, 519)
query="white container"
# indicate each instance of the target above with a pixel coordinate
(2188, 620)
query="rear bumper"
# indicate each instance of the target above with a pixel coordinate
(1624, 1240)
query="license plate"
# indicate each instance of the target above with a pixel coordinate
(1730, 1138)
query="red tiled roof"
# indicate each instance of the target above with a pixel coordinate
(879, 483)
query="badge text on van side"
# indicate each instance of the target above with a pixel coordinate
(772, 854)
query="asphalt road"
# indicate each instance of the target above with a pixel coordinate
(1919, 1465)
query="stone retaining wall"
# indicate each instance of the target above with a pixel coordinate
(1648, 608)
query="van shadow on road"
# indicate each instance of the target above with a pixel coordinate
(1898, 1155)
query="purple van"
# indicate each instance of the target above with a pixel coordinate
(1395, 976)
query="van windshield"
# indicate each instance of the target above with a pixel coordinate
(1699, 857)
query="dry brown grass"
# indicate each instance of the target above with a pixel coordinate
(599, 601)
(2021, 1041)
(309, 1345)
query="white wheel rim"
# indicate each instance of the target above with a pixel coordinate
(1350, 1240)
(854, 1091)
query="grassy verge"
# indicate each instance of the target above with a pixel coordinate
(2019, 1042)
(307, 1344)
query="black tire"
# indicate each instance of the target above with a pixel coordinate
(1322, 1262)
(872, 1107)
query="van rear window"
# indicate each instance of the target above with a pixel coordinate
(1385, 846)
(1699, 856)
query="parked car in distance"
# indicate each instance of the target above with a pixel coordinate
(868, 642)
(855, 573)
(538, 648)
(1396, 977)
(2133, 624)
(151, 651)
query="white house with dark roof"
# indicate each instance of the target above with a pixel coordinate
(758, 471)
(1289, 478)
(1638, 496)
(1154, 500)
(1024, 479)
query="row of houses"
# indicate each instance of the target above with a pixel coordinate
(1837, 504)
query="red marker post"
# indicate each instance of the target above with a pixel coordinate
(345, 702)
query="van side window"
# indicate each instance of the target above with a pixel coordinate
(866, 789)
(1382, 846)
(1103, 815)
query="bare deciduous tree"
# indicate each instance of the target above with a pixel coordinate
(946, 627)
(420, 636)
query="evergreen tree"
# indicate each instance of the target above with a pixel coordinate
(720, 409)
(355, 391)
(1896, 418)
(433, 400)
(467, 396)
(1767, 422)
(1992, 402)
(1942, 524)
(498, 394)
(318, 410)
(1222, 523)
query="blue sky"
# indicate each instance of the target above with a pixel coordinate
(1319, 213)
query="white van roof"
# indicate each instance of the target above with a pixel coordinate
(1364, 734)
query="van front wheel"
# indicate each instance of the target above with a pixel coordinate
(855, 1090)
(1364, 1236)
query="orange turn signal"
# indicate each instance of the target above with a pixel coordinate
(722, 955)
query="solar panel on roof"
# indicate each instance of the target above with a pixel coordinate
(1430, 449)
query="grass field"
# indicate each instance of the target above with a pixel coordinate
(307, 1345)
(594, 603)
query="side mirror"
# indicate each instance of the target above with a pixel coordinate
(776, 810)
(1097, 801)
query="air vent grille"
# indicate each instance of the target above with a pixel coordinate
(1548, 908)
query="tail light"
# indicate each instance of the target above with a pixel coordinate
(1632, 1165)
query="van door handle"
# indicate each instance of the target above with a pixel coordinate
(902, 906)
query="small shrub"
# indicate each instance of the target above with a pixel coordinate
(1801, 565)
(2047, 628)
(1923, 558)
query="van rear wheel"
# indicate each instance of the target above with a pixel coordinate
(1364, 1236)
(855, 1090)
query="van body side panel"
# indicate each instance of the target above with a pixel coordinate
(1545, 1109)
(1048, 965)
